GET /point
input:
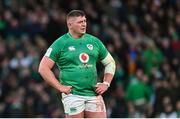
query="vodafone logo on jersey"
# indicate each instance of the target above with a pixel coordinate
(84, 58)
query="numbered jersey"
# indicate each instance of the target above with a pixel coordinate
(76, 60)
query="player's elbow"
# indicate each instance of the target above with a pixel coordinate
(41, 69)
(45, 65)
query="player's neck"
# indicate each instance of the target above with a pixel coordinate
(75, 35)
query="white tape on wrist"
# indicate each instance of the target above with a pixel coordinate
(106, 83)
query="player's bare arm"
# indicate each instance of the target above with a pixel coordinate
(45, 67)
(109, 64)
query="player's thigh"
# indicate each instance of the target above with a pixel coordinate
(95, 107)
(73, 105)
(95, 114)
(79, 115)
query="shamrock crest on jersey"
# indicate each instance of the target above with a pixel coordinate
(90, 46)
(84, 58)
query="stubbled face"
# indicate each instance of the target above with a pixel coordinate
(77, 24)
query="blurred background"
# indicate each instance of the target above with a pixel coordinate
(143, 36)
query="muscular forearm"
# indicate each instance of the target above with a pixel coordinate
(108, 78)
(109, 64)
(45, 67)
(50, 78)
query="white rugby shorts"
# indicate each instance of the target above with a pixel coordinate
(75, 104)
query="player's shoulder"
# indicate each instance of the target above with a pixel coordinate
(92, 37)
(61, 39)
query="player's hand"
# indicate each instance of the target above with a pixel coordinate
(101, 88)
(65, 89)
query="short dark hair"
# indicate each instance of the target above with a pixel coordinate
(75, 13)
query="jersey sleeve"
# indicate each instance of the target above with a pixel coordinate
(102, 50)
(53, 52)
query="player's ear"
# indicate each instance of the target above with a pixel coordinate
(69, 24)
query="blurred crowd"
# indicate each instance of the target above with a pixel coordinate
(143, 36)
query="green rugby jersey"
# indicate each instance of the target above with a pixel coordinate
(76, 60)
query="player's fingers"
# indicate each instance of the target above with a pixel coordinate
(69, 87)
(102, 91)
(98, 90)
(68, 91)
